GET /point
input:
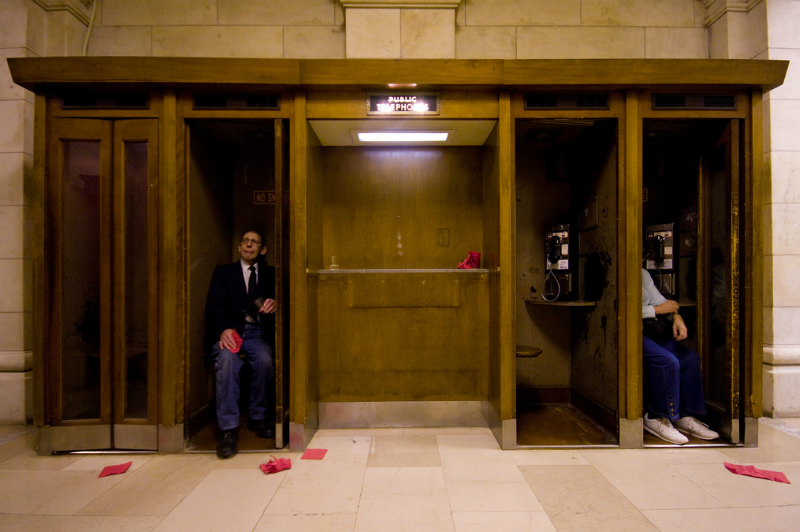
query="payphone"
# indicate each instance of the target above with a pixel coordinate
(659, 257)
(559, 278)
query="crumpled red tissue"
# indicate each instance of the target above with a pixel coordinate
(114, 469)
(752, 471)
(275, 465)
(238, 340)
(473, 260)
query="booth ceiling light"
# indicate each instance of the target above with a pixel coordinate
(402, 136)
(402, 85)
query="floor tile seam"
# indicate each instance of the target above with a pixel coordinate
(610, 486)
(614, 477)
(177, 504)
(695, 484)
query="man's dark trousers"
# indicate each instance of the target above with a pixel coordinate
(227, 367)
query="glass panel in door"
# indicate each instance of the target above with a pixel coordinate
(134, 270)
(100, 358)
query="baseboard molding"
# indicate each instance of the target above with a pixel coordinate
(361, 415)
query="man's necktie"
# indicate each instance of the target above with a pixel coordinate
(251, 284)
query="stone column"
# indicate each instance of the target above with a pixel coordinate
(27, 29)
(403, 29)
(782, 214)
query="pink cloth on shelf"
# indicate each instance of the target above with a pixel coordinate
(114, 469)
(752, 471)
(275, 465)
(314, 454)
(473, 260)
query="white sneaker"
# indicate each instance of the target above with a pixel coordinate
(689, 425)
(662, 428)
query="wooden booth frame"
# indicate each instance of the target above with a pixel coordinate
(336, 89)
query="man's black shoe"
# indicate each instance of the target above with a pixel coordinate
(226, 444)
(261, 427)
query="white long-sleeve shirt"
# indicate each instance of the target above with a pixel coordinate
(650, 296)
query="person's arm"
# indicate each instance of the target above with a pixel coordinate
(217, 323)
(652, 300)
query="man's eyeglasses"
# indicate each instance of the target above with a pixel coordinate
(253, 241)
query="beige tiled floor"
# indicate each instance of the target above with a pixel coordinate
(407, 479)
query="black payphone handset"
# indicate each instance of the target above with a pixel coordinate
(658, 243)
(554, 250)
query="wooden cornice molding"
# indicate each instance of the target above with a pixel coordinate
(402, 4)
(715, 9)
(42, 72)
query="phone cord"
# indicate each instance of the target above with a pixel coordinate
(558, 285)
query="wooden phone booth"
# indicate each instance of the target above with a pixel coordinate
(559, 173)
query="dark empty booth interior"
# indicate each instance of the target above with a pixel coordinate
(397, 320)
(566, 224)
(231, 168)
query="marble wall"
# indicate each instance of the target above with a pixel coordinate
(469, 29)
(782, 214)
(27, 29)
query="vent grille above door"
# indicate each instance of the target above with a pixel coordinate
(566, 101)
(694, 101)
(105, 101)
(263, 102)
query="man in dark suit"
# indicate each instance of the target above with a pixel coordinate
(240, 318)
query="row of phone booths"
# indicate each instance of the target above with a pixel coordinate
(372, 181)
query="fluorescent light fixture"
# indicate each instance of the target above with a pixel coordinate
(402, 136)
(402, 85)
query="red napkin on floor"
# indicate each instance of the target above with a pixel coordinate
(238, 340)
(275, 465)
(752, 471)
(473, 260)
(114, 469)
(314, 454)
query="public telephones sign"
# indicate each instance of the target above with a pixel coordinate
(403, 104)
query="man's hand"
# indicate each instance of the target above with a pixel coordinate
(226, 340)
(667, 307)
(679, 328)
(268, 307)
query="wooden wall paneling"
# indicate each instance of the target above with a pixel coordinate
(385, 206)
(620, 100)
(757, 193)
(403, 336)
(314, 262)
(630, 250)
(38, 198)
(491, 260)
(299, 341)
(508, 247)
(172, 315)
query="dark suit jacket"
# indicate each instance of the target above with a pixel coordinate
(227, 304)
